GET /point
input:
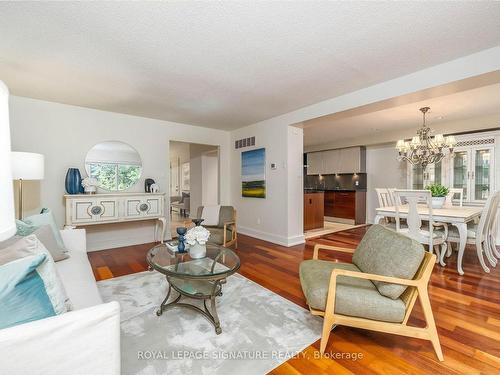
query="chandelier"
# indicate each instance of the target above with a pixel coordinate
(424, 149)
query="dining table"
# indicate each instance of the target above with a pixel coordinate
(458, 216)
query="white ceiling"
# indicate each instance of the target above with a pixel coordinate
(483, 101)
(227, 64)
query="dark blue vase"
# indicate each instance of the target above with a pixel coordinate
(73, 181)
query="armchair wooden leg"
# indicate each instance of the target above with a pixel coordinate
(327, 328)
(431, 324)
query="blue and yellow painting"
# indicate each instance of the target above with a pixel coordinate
(253, 173)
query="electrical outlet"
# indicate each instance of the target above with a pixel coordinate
(258, 221)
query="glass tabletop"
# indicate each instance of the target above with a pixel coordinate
(219, 262)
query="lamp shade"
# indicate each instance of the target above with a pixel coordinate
(27, 166)
(7, 223)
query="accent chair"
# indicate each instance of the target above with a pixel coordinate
(224, 233)
(377, 291)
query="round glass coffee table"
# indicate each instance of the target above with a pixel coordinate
(200, 279)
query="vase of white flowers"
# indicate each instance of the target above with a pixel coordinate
(90, 185)
(197, 238)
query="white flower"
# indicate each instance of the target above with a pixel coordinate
(197, 234)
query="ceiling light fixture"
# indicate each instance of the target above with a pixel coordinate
(424, 149)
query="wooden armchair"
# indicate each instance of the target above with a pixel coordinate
(225, 233)
(381, 301)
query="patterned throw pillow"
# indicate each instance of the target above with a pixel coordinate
(24, 229)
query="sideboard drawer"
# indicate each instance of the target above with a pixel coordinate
(108, 208)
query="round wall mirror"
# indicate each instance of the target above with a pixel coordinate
(116, 165)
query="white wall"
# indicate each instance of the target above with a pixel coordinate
(179, 154)
(383, 170)
(65, 133)
(197, 180)
(278, 217)
(210, 171)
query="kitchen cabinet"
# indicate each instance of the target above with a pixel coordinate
(346, 206)
(314, 210)
(315, 163)
(343, 160)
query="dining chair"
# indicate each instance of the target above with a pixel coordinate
(384, 197)
(480, 234)
(425, 234)
(493, 228)
(448, 202)
(395, 200)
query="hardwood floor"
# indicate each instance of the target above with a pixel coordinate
(466, 309)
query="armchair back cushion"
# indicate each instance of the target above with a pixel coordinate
(385, 252)
(226, 214)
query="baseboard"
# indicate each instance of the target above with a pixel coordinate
(339, 220)
(270, 237)
(112, 243)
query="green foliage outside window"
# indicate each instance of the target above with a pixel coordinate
(115, 176)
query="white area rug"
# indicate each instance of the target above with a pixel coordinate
(260, 329)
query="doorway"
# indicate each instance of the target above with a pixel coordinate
(194, 180)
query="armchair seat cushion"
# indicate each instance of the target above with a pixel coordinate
(353, 297)
(217, 235)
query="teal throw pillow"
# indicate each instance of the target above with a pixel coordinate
(23, 297)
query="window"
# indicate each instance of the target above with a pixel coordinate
(112, 176)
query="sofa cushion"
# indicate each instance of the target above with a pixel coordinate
(79, 281)
(353, 297)
(23, 297)
(387, 253)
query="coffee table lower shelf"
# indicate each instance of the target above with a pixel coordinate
(204, 290)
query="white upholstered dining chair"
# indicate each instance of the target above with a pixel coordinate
(481, 234)
(425, 234)
(494, 227)
(452, 192)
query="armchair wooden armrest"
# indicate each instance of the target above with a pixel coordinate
(232, 227)
(329, 247)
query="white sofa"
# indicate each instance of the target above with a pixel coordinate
(83, 341)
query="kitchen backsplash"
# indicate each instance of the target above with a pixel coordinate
(336, 182)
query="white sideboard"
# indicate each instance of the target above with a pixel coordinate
(91, 209)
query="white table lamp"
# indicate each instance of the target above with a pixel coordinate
(7, 223)
(26, 166)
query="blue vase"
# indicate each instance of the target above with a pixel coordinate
(73, 181)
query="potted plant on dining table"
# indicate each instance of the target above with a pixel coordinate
(439, 193)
